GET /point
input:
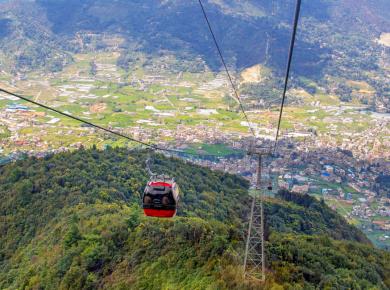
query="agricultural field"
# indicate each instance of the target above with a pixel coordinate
(154, 100)
(348, 209)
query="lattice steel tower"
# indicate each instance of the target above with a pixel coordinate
(254, 261)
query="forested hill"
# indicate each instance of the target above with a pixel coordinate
(51, 29)
(73, 221)
(298, 213)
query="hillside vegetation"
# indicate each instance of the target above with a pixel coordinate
(73, 221)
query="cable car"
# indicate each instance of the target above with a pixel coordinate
(160, 197)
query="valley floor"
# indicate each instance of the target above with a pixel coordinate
(193, 112)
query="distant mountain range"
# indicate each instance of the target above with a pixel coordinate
(337, 40)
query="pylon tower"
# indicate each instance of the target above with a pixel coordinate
(254, 260)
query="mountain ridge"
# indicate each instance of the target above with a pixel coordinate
(336, 41)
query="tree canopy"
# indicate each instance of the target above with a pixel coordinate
(73, 221)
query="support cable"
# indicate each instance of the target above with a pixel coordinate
(290, 55)
(226, 68)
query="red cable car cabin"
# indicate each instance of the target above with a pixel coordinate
(160, 197)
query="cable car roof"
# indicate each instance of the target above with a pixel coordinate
(159, 183)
